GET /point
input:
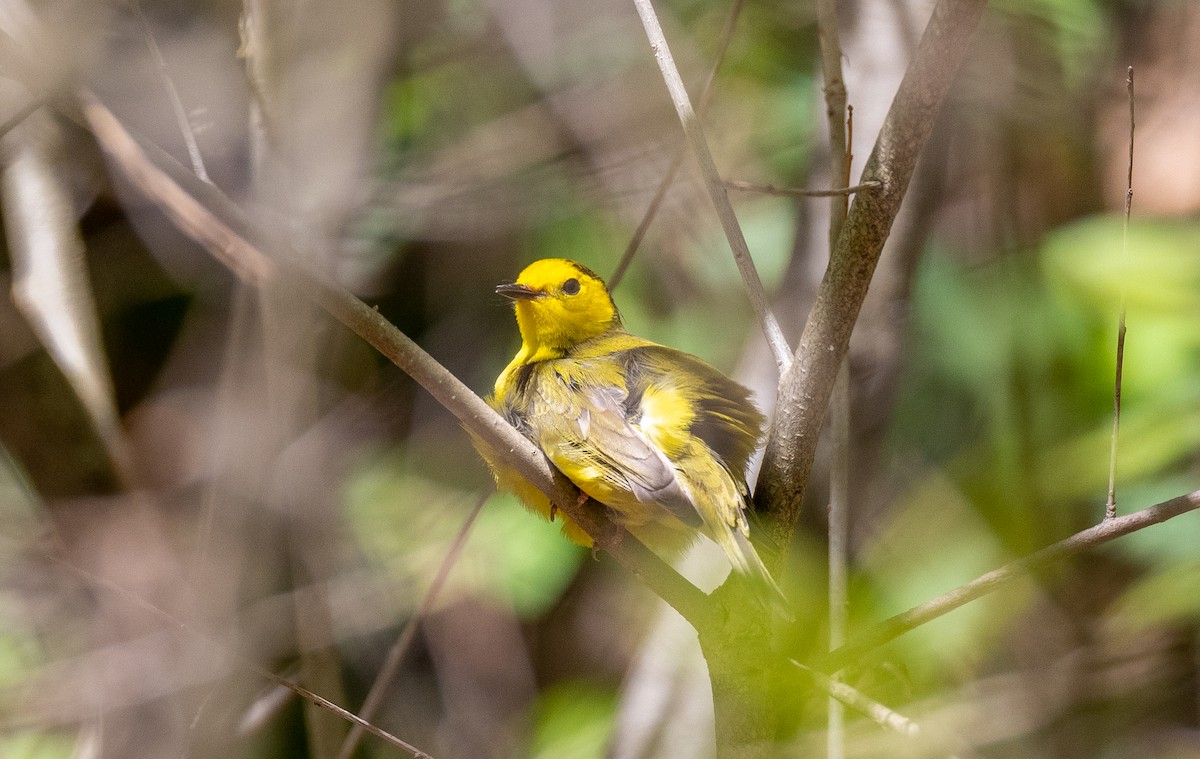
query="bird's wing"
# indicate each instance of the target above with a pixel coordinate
(590, 439)
(722, 414)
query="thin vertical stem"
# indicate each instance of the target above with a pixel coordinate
(839, 477)
(839, 549)
(1110, 506)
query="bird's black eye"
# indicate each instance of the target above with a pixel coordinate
(571, 287)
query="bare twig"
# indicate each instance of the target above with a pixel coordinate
(805, 388)
(839, 549)
(839, 476)
(835, 109)
(881, 715)
(664, 185)
(1110, 506)
(1108, 530)
(255, 267)
(185, 124)
(196, 221)
(716, 188)
(798, 192)
(395, 656)
(345, 714)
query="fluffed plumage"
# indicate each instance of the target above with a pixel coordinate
(656, 434)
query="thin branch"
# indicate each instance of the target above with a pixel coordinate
(660, 194)
(839, 548)
(1106, 531)
(881, 715)
(1110, 507)
(193, 219)
(395, 656)
(798, 192)
(185, 124)
(255, 267)
(835, 109)
(805, 388)
(716, 189)
(839, 476)
(345, 714)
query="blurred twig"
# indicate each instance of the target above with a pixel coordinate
(664, 185)
(181, 116)
(805, 388)
(881, 715)
(839, 476)
(194, 219)
(1108, 530)
(399, 649)
(835, 110)
(1110, 506)
(716, 188)
(799, 192)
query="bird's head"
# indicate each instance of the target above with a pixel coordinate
(559, 304)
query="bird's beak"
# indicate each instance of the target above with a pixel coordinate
(518, 292)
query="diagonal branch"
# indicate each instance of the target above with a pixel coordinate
(1109, 529)
(716, 188)
(805, 387)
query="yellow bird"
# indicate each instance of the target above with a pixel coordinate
(655, 434)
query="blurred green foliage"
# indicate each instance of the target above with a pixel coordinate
(573, 720)
(407, 522)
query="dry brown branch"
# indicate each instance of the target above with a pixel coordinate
(805, 388)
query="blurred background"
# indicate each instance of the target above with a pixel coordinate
(191, 468)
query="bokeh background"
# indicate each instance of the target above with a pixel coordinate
(190, 467)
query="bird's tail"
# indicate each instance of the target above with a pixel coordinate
(746, 560)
